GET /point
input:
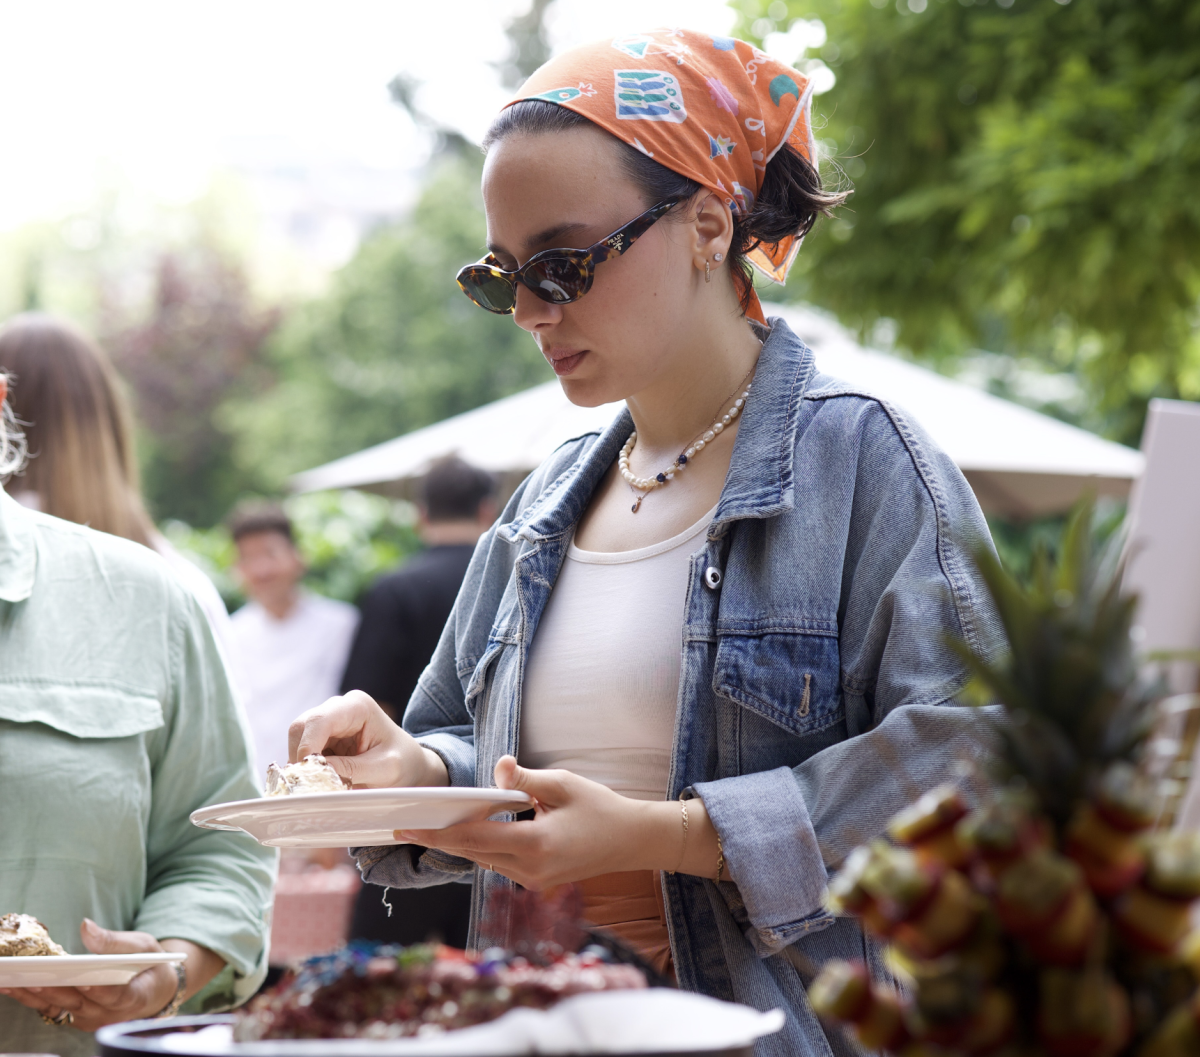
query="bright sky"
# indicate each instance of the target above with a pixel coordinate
(157, 96)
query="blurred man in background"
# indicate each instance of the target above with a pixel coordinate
(402, 619)
(291, 645)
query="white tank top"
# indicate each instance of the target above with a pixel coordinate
(602, 674)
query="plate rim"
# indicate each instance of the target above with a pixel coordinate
(213, 812)
(83, 961)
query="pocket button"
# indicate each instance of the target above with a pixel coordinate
(712, 577)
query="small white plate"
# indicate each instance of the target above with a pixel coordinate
(79, 970)
(357, 817)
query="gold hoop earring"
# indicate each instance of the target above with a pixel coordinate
(707, 274)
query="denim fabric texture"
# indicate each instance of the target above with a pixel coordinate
(816, 694)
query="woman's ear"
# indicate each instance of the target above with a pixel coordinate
(713, 232)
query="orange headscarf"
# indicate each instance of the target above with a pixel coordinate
(713, 109)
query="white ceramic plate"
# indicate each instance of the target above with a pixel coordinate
(357, 817)
(79, 970)
(657, 1020)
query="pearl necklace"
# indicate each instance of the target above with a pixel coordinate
(646, 485)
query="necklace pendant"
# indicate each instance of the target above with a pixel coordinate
(638, 503)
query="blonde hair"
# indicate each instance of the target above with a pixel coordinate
(66, 393)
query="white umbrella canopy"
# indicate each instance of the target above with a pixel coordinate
(1020, 463)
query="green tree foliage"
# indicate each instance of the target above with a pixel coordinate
(393, 346)
(1025, 176)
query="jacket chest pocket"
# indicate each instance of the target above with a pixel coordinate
(790, 678)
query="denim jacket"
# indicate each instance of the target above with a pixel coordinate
(815, 694)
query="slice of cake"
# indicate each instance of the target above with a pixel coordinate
(311, 775)
(23, 936)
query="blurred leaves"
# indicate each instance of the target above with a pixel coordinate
(1024, 181)
(393, 345)
(198, 344)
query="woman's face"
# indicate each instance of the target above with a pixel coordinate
(635, 324)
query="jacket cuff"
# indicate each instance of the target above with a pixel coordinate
(457, 754)
(411, 866)
(771, 854)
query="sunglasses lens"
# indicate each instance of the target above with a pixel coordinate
(558, 280)
(488, 291)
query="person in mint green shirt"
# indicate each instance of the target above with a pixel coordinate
(116, 722)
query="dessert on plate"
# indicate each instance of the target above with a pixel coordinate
(369, 991)
(23, 936)
(311, 775)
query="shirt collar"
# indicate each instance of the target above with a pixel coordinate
(760, 483)
(18, 550)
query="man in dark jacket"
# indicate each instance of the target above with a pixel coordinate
(402, 618)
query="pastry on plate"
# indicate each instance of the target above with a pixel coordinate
(311, 775)
(23, 936)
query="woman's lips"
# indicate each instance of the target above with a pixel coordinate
(565, 362)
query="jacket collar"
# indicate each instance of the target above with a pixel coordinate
(18, 550)
(760, 480)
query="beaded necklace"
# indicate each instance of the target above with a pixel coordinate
(646, 485)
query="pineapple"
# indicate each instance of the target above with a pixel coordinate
(1050, 920)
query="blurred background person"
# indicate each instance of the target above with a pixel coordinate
(116, 722)
(290, 645)
(403, 615)
(83, 464)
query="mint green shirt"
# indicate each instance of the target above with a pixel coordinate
(116, 722)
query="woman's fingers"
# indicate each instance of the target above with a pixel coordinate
(549, 788)
(474, 840)
(100, 940)
(337, 726)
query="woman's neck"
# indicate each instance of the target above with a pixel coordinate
(709, 373)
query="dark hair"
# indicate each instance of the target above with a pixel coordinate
(789, 202)
(453, 489)
(254, 515)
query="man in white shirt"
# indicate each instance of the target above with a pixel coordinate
(291, 646)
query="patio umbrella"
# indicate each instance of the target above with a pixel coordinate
(1020, 463)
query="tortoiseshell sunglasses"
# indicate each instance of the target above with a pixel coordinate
(558, 276)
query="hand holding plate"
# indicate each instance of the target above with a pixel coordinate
(93, 1007)
(363, 745)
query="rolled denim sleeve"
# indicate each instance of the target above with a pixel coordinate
(908, 584)
(783, 830)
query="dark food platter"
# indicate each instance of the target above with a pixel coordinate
(138, 1038)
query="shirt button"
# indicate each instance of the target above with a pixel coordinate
(712, 577)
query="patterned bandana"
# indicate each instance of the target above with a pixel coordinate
(713, 109)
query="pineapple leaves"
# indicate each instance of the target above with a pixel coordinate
(1068, 682)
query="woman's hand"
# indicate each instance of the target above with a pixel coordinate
(363, 745)
(145, 995)
(581, 829)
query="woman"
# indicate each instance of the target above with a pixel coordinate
(713, 634)
(80, 432)
(116, 722)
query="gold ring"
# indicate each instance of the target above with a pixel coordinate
(62, 1019)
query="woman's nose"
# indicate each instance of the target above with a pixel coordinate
(531, 313)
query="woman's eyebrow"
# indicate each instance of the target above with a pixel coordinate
(545, 238)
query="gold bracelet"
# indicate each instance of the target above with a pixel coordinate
(720, 859)
(683, 850)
